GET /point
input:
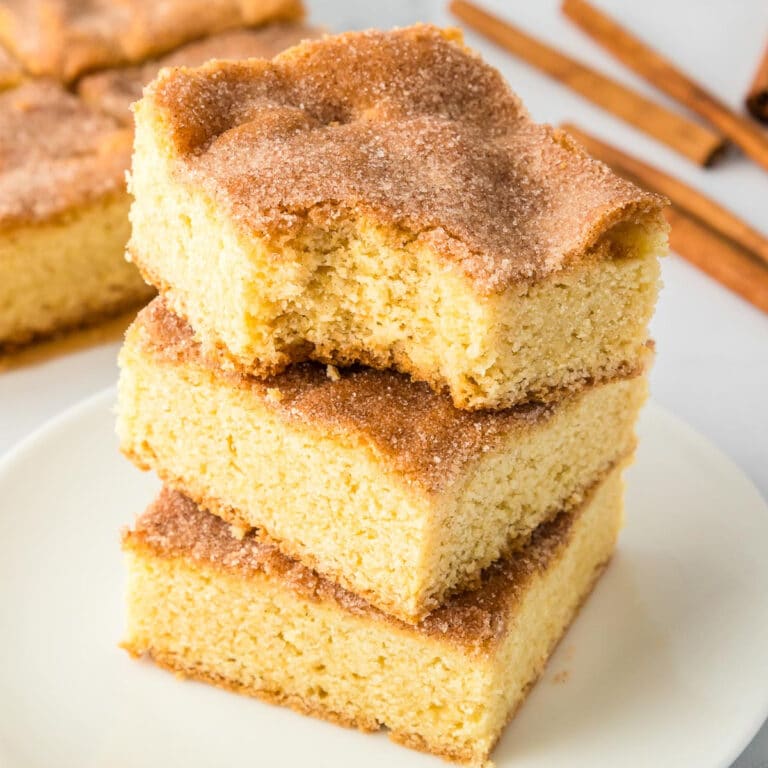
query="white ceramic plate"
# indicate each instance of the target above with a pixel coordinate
(667, 665)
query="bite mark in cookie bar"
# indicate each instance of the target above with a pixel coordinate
(63, 215)
(369, 477)
(114, 90)
(65, 38)
(238, 614)
(384, 198)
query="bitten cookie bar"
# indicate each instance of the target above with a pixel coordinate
(384, 198)
(65, 38)
(372, 479)
(238, 614)
(114, 90)
(63, 215)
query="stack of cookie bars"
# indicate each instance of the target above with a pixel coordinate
(68, 72)
(390, 382)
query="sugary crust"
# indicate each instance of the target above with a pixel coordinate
(407, 128)
(422, 435)
(94, 330)
(56, 153)
(174, 526)
(114, 90)
(301, 705)
(64, 38)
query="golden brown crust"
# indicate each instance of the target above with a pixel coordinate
(407, 128)
(96, 329)
(64, 38)
(114, 90)
(88, 320)
(420, 432)
(55, 153)
(174, 526)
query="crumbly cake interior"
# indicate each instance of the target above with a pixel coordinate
(67, 272)
(64, 38)
(63, 215)
(232, 612)
(114, 90)
(371, 478)
(510, 265)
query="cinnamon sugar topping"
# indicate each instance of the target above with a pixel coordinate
(406, 127)
(55, 153)
(114, 90)
(173, 526)
(64, 38)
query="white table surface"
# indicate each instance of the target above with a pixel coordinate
(712, 364)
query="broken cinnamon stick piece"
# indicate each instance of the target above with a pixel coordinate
(665, 76)
(697, 142)
(682, 196)
(757, 98)
(719, 258)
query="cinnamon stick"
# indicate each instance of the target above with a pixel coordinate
(719, 258)
(696, 142)
(757, 98)
(682, 196)
(663, 74)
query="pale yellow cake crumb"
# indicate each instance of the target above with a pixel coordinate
(370, 478)
(239, 615)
